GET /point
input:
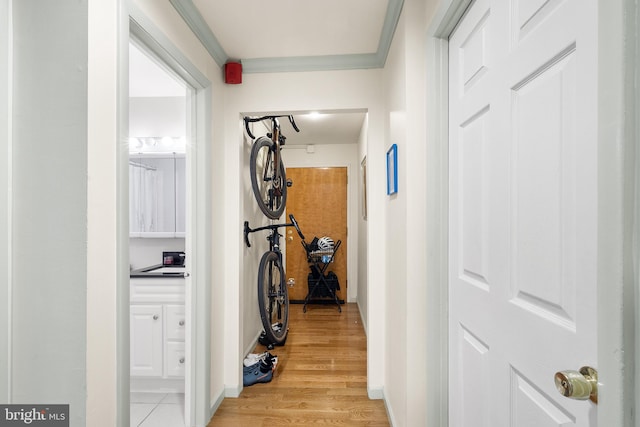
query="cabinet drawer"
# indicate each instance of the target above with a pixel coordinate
(161, 290)
(175, 322)
(175, 360)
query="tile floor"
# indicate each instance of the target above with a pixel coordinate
(157, 410)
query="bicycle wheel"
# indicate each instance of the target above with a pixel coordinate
(269, 188)
(273, 298)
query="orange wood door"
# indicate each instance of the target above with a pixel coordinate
(318, 200)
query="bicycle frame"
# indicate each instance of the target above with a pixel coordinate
(274, 238)
(272, 295)
(275, 135)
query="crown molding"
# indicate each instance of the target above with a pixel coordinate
(394, 9)
(192, 17)
(310, 63)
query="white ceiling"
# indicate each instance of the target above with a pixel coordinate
(294, 35)
(292, 28)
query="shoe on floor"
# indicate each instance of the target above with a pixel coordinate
(261, 372)
(254, 358)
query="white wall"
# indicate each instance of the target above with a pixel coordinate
(5, 198)
(104, 392)
(145, 252)
(291, 92)
(362, 245)
(336, 155)
(396, 234)
(406, 224)
(49, 198)
(157, 116)
(248, 320)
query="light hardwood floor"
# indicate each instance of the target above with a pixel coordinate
(321, 377)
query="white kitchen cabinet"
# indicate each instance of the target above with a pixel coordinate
(146, 340)
(181, 196)
(157, 195)
(175, 323)
(157, 330)
(175, 360)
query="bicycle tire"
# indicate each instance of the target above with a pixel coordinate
(270, 193)
(273, 298)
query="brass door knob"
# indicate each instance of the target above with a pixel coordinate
(580, 385)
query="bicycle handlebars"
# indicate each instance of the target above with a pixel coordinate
(271, 227)
(248, 120)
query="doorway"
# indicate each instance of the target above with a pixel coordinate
(159, 105)
(196, 360)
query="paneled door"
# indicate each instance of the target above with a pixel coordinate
(318, 200)
(523, 204)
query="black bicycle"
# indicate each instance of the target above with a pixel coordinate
(268, 176)
(273, 297)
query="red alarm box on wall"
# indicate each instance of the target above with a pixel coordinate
(233, 73)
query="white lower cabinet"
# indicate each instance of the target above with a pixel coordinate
(174, 341)
(157, 334)
(146, 340)
(174, 363)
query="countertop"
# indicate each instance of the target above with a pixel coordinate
(159, 271)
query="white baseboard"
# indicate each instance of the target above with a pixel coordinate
(215, 405)
(232, 391)
(375, 393)
(378, 394)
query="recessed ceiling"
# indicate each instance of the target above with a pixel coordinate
(319, 128)
(285, 28)
(327, 128)
(294, 35)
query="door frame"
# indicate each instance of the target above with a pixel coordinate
(136, 25)
(617, 202)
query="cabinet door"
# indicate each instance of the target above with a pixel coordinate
(152, 194)
(146, 340)
(181, 195)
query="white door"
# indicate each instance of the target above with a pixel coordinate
(522, 257)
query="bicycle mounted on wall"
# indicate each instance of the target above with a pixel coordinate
(268, 176)
(273, 297)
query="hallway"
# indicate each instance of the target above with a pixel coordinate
(321, 377)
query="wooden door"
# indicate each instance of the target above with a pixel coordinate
(523, 211)
(318, 200)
